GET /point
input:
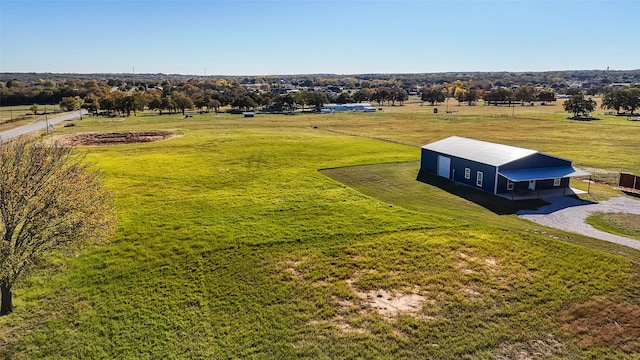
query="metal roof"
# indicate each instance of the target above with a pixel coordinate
(479, 151)
(543, 173)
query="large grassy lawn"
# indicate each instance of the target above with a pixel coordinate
(288, 237)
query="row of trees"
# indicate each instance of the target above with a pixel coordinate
(622, 100)
(627, 100)
(185, 98)
(497, 96)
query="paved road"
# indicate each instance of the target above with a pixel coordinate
(41, 125)
(570, 214)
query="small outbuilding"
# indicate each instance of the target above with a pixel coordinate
(366, 107)
(496, 168)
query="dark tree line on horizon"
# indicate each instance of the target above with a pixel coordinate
(178, 93)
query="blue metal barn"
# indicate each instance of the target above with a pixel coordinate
(496, 168)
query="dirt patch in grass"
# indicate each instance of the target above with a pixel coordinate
(351, 312)
(389, 304)
(603, 322)
(114, 138)
(467, 263)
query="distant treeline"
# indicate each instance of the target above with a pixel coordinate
(129, 93)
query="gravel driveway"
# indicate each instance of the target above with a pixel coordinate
(569, 214)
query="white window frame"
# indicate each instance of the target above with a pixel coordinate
(479, 178)
(510, 184)
(467, 173)
(557, 181)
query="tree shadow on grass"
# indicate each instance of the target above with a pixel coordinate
(495, 204)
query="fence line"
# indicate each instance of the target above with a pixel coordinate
(629, 181)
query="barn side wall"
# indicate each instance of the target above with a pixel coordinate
(429, 164)
(458, 165)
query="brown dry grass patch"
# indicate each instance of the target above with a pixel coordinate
(115, 138)
(603, 322)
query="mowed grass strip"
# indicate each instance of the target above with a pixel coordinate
(616, 223)
(231, 244)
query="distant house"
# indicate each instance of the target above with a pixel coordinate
(620, 85)
(496, 168)
(366, 107)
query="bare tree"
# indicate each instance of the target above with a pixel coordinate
(50, 198)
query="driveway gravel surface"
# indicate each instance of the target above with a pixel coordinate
(570, 214)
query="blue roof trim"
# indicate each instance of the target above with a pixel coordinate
(543, 173)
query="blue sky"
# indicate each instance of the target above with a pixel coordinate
(267, 37)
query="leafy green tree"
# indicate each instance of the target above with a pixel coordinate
(546, 96)
(200, 102)
(383, 94)
(579, 105)
(107, 103)
(632, 99)
(399, 95)
(91, 104)
(123, 102)
(71, 103)
(498, 96)
(51, 199)
(287, 101)
(213, 104)
(317, 99)
(614, 100)
(472, 96)
(433, 95)
(182, 101)
(169, 104)
(300, 98)
(156, 103)
(364, 94)
(34, 109)
(245, 103)
(526, 93)
(140, 101)
(344, 98)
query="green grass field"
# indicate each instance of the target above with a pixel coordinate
(15, 116)
(307, 236)
(620, 224)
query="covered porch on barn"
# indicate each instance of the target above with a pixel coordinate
(541, 194)
(538, 183)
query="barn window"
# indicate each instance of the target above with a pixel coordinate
(509, 185)
(556, 181)
(479, 178)
(467, 173)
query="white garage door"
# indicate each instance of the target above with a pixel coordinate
(444, 166)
